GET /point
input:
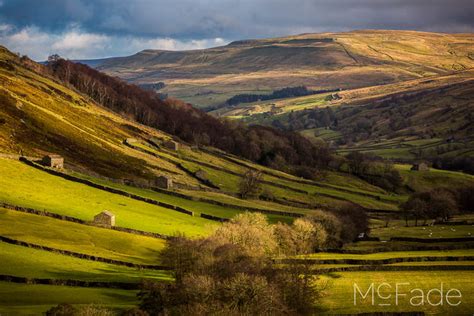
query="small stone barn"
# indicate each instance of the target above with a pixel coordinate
(164, 182)
(105, 218)
(420, 167)
(171, 144)
(53, 161)
(201, 175)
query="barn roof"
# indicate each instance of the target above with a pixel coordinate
(54, 156)
(106, 213)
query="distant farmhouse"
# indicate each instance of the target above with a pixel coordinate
(53, 161)
(164, 182)
(420, 167)
(105, 218)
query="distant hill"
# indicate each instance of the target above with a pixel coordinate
(350, 60)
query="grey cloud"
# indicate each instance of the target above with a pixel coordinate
(237, 18)
(108, 24)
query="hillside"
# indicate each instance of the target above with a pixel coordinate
(39, 115)
(414, 119)
(319, 61)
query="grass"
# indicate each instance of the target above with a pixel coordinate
(242, 70)
(369, 201)
(435, 231)
(31, 263)
(393, 254)
(203, 207)
(28, 299)
(49, 117)
(356, 192)
(426, 180)
(29, 187)
(80, 238)
(339, 293)
(315, 134)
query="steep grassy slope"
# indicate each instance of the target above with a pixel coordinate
(37, 189)
(40, 115)
(328, 60)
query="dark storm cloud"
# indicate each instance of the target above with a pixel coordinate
(98, 28)
(237, 18)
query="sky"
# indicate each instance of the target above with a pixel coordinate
(86, 29)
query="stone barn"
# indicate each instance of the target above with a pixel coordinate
(171, 144)
(105, 218)
(420, 167)
(53, 161)
(164, 182)
(201, 175)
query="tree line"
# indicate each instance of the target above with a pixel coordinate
(438, 204)
(288, 92)
(264, 145)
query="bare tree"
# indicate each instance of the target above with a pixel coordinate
(250, 184)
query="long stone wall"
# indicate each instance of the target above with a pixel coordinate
(432, 240)
(379, 261)
(396, 268)
(69, 282)
(214, 218)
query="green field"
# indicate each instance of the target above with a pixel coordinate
(393, 254)
(80, 238)
(23, 299)
(26, 262)
(339, 291)
(40, 190)
(325, 193)
(426, 180)
(435, 231)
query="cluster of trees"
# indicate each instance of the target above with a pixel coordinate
(277, 94)
(373, 170)
(307, 119)
(465, 164)
(233, 271)
(439, 203)
(152, 86)
(263, 145)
